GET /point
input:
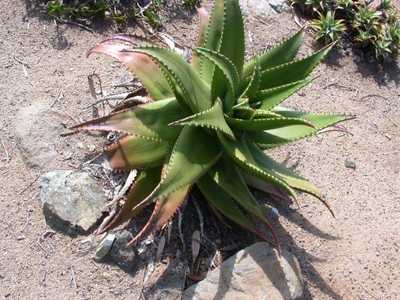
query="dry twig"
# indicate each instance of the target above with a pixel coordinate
(180, 229)
(7, 157)
(59, 97)
(73, 281)
(62, 21)
(201, 219)
(29, 185)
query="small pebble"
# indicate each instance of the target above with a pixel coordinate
(104, 247)
(350, 164)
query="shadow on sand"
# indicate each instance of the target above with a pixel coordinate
(223, 234)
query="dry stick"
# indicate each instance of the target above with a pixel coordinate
(7, 158)
(371, 95)
(128, 182)
(297, 21)
(66, 114)
(41, 247)
(26, 222)
(201, 219)
(62, 21)
(125, 84)
(180, 229)
(59, 97)
(44, 278)
(29, 185)
(92, 87)
(106, 220)
(141, 294)
(21, 61)
(340, 86)
(114, 97)
(73, 281)
(393, 122)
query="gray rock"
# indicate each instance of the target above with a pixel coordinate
(168, 282)
(71, 200)
(104, 246)
(256, 8)
(257, 272)
(350, 164)
(120, 253)
(37, 129)
(279, 5)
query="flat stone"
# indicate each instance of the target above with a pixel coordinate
(256, 8)
(37, 129)
(71, 200)
(257, 272)
(350, 164)
(279, 5)
(122, 254)
(104, 246)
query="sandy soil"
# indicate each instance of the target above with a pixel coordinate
(355, 256)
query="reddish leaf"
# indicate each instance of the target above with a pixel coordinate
(164, 210)
(134, 152)
(139, 64)
(204, 17)
(142, 187)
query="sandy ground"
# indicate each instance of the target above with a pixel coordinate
(355, 256)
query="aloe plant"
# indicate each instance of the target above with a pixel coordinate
(208, 122)
(328, 29)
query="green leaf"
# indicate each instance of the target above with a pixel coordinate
(150, 120)
(292, 71)
(248, 113)
(134, 152)
(212, 40)
(193, 155)
(189, 87)
(255, 81)
(227, 206)
(232, 43)
(280, 54)
(149, 74)
(238, 151)
(145, 183)
(262, 114)
(230, 77)
(272, 97)
(285, 174)
(212, 118)
(266, 123)
(280, 171)
(280, 136)
(225, 35)
(228, 177)
(266, 188)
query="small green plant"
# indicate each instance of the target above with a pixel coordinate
(394, 32)
(77, 9)
(191, 4)
(345, 5)
(207, 124)
(151, 16)
(385, 5)
(328, 29)
(382, 46)
(310, 7)
(366, 19)
(120, 12)
(375, 30)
